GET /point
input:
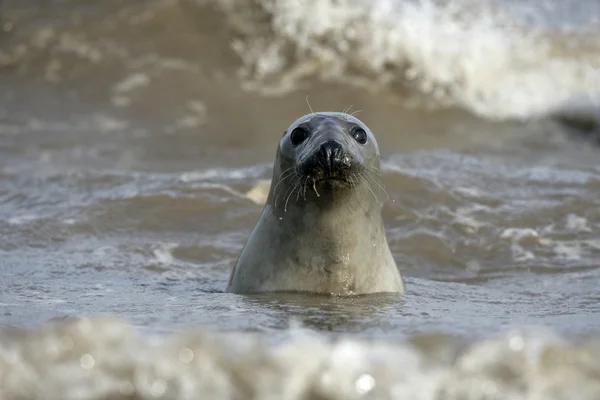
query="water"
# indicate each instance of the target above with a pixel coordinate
(136, 147)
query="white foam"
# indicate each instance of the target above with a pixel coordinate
(163, 253)
(471, 53)
(576, 223)
(519, 234)
(568, 251)
(132, 82)
(223, 173)
(22, 219)
(103, 357)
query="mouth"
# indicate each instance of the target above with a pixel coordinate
(339, 175)
(331, 181)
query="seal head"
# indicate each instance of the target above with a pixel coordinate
(325, 151)
(321, 230)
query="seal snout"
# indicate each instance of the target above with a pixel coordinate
(330, 154)
(329, 160)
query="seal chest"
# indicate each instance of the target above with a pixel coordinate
(321, 230)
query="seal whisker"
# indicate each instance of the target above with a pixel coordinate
(377, 177)
(288, 177)
(309, 107)
(374, 189)
(373, 177)
(383, 189)
(368, 186)
(315, 187)
(292, 168)
(374, 171)
(291, 175)
(298, 182)
(377, 181)
(354, 182)
(356, 179)
(304, 186)
(355, 112)
(299, 190)
(286, 170)
(350, 180)
(281, 180)
(290, 171)
(288, 191)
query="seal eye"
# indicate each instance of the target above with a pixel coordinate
(359, 135)
(298, 136)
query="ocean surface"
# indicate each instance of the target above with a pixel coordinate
(136, 146)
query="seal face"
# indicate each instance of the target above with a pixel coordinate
(321, 230)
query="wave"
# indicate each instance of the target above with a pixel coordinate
(104, 357)
(499, 60)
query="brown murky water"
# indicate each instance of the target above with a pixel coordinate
(135, 141)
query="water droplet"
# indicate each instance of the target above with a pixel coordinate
(186, 355)
(364, 383)
(87, 361)
(159, 387)
(516, 343)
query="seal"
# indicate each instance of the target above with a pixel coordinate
(321, 229)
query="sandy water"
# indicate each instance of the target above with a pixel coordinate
(135, 143)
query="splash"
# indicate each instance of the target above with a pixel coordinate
(477, 55)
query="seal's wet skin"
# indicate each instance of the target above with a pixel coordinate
(321, 230)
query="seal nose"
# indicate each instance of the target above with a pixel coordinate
(330, 153)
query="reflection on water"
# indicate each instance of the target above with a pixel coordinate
(325, 313)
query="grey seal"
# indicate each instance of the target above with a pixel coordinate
(321, 229)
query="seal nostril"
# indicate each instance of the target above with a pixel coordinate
(330, 152)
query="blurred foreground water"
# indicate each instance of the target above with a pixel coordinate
(135, 142)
